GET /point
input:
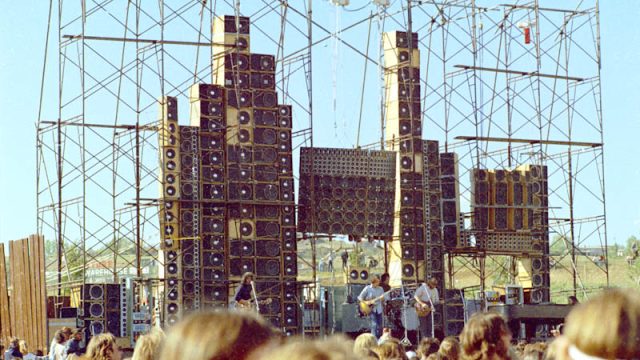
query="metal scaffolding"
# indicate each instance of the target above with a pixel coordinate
(490, 96)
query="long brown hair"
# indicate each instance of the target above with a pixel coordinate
(218, 335)
(482, 337)
(102, 347)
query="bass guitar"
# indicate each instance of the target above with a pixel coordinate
(366, 306)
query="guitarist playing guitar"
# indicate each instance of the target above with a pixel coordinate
(243, 296)
(426, 297)
(373, 295)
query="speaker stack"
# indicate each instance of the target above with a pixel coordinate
(346, 191)
(450, 200)
(101, 309)
(453, 312)
(204, 262)
(518, 196)
(171, 173)
(404, 133)
(499, 191)
(538, 211)
(260, 203)
(169, 141)
(481, 190)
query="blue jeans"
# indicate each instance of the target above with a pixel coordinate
(426, 326)
(376, 324)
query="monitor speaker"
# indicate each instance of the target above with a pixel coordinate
(263, 63)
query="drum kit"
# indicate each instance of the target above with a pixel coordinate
(400, 308)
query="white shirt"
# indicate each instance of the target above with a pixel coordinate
(428, 295)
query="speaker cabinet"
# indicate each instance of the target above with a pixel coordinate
(263, 81)
(263, 63)
(170, 148)
(358, 275)
(237, 80)
(265, 99)
(453, 312)
(265, 117)
(239, 98)
(169, 224)
(231, 24)
(236, 62)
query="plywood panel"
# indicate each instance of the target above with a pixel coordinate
(5, 319)
(43, 295)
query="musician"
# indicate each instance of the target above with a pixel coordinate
(243, 292)
(371, 292)
(427, 295)
(384, 282)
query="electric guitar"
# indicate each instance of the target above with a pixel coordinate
(423, 310)
(251, 305)
(366, 306)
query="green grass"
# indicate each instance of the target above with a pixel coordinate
(591, 277)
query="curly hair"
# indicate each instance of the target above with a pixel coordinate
(102, 347)
(483, 338)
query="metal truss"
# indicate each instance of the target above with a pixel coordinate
(487, 95)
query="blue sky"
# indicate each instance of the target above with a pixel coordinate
(23, 28)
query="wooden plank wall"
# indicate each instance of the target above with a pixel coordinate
(28, 301)
(5, 318)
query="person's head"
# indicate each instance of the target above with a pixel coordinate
(58, 337)
(14, 342)
(334, 348)
(572, 300)
(247, 278)
(450, 348)
(22, 346)
(66, 331)
(384, 279)
(364, 343)
(427, 347)
(486, 336)
(77, 334)
(607, 326)
(375, 280)
(148, 345)
(534, 351)
(216, 335)
(432, 283)
(391, 349)
(103, 347)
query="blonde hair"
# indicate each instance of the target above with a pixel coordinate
(481, 338)
(615, 338)
(334, 348)
(450, 348)
(23, 347)
(364, 343)
(216, 336)
(391, 349)
(101, 347)
(148, 345)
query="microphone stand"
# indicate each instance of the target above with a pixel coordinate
(255, 297)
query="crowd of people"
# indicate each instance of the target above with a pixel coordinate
(605, 327)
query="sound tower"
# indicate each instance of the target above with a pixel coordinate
(170, 173)
(433, 221)
(206, 274)
(259, 202)
(404, 135)
(450, 200)
(538, 208)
